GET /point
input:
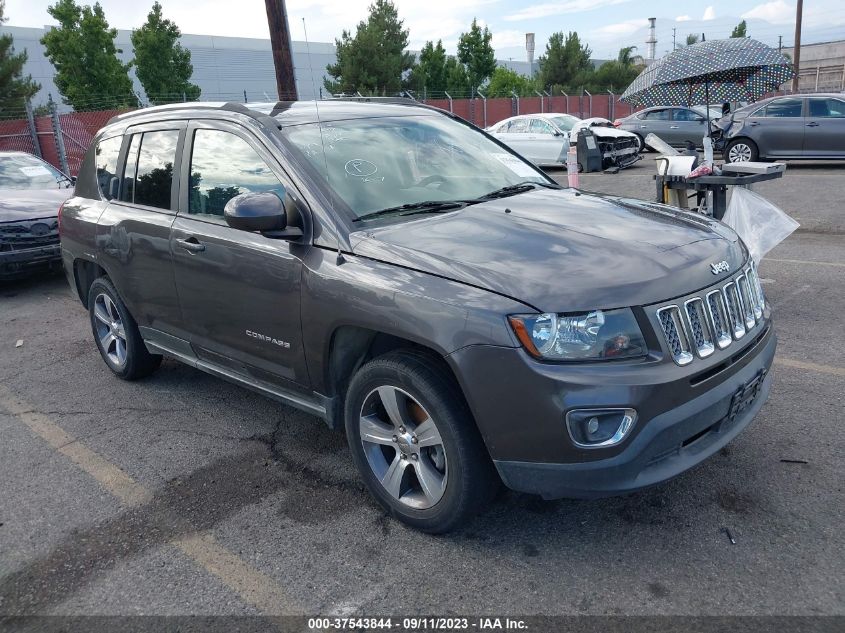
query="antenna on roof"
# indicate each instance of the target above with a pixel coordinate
(340, 259)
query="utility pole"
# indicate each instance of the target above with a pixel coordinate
(796, 54)
(277, 20)
(673, 37)
(780, 43)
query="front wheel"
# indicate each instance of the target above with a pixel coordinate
(415, 444)
(741, 151)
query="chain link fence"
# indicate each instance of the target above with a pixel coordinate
(62, 135)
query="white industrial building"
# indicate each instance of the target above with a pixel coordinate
(224, 67)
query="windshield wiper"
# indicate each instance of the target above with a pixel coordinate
(520, 187)
(413, 208)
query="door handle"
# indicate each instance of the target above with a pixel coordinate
(753, 123)
(673, 127)
(191, 244)
(812, 124)
(643, 127)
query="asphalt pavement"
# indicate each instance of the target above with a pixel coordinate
(183, 494)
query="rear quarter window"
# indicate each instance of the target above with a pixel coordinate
(106, 156)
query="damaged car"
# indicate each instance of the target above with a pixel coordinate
(31, 192)
(545, 138)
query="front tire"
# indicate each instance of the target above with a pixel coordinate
(414, 441)
(741, 150)
(116, 333)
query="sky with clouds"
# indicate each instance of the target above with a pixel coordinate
(606, 25)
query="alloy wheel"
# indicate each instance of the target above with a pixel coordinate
(111, 333)
(403, 447)
(739, 153)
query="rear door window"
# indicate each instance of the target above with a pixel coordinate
(154, 177)
(827, 108)
(127, 190)
(784, 108)
(106, 156)
(223, 165)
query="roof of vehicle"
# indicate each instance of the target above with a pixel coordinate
(297, 112)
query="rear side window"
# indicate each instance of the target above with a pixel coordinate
(223, 166)
(518, 126)
(106, 159)
(657, 115)
(148, 177)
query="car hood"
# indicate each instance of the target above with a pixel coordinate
(29, 204)
(561, 251)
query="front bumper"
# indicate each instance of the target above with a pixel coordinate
(684, 416)
(19, 262)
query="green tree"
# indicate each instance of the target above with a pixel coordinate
(430, 73)
(505, 82)
(163, 67)
(457, 78)
(692, 38)
(476, 54)
(88, 71)
(374, 60)
(566, 63)
(740, 30)
(615, 75)
(15, 89)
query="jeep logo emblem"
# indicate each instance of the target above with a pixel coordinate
(720, 267)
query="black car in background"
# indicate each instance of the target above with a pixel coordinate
(31, 192)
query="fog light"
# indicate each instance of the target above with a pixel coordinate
(598, 428)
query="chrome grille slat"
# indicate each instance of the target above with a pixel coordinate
(756, 290)
(745, 303)
(699, 327)
(719, 318)
(675, 334)
(734, 310)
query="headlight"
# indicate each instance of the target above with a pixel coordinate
(596, 335)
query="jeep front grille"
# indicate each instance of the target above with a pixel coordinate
(714, 320)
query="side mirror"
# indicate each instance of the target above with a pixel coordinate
(114, 187)
(260, 211)
(263, 212)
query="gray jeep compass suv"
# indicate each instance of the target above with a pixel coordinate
(403, 275)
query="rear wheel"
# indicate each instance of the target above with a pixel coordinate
(116, 333)
(415, 444)
(741, 150)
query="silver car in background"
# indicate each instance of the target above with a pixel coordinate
(545, 138)
(806, 126)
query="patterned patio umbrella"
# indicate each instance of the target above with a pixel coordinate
(736, 69)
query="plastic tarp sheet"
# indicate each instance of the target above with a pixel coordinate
(759, 223)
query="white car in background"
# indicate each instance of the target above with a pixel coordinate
(542, 138)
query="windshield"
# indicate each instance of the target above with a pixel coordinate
(564, 122)
(381, 163)
(28, 172)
